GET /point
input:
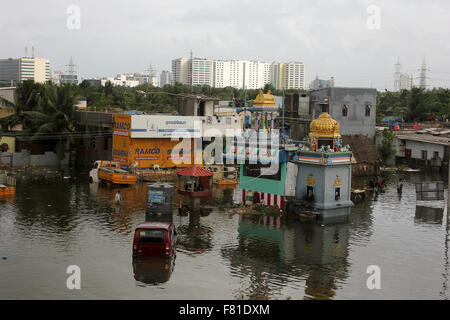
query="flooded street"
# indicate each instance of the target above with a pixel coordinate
(63, 220)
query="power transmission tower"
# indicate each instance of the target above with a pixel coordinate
(423, 75)
(71, 66)
(397, 75)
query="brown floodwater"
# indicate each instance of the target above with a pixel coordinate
(57, 219)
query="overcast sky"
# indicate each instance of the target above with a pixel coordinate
(331, 37)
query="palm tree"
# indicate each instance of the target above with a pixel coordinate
(56, 117)
(45, 111)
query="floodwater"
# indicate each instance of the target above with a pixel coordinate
(59, 220)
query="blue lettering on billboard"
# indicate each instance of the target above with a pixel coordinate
(121, 125)
(120, 153)
(147, 151)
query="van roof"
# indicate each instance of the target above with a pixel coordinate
(154, 225)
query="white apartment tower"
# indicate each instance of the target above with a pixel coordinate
(402, 81)
(15, 70)
(201, 72)
(166, 77)
(239, 74)
(294, 75)
(406, 81)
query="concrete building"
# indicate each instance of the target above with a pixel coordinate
(196, 105)
(221, 74)
(424, 150)
(406, 81)
(297, 117)
(15, 70)
(324, 170)
(142, 78)
(402, 81)
(353, 108)
(58, 77)
(319, 84)
(8, 93)
(201, 72)
(213, 121)
(237, 68)
(180, 70)
(290, 75)
(241, 74)
(166, 77)
(68, 78)
(294, 77)
(127, 80)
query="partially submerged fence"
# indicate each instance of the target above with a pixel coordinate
(432, 190)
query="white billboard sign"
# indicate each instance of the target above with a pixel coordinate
(149, 126)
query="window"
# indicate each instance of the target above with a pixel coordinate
(151, 236)
(368, 110)
(436, 155)
(337, 194)
(424, 154)
(344, 110)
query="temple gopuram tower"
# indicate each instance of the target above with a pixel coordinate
(324, 170)
(265, 111)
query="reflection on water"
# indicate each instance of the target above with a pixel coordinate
(429, 214)
(271, 252)
(154, 270)
(61, 219)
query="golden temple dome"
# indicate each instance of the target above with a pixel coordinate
(324, 126)
(264, 99)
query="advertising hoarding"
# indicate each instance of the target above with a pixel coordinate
(163, 152)
(151, 126)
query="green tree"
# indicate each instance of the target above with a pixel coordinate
(386, 148)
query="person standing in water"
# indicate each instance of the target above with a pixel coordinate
(400, 186)
(118, 197)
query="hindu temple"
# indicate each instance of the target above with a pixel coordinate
(324, 170)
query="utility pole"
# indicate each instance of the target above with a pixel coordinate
(282, 119)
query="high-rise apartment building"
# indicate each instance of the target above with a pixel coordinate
(402, 81)
(221, 74)
(290, 75)
(249, 74)
(294, 75)
(201, 72)
(15, 70)
(180, 70)
(166, 77)
(406, 81)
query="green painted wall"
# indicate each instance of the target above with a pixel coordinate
(263, 185)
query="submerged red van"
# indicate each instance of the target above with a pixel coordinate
(155, 239)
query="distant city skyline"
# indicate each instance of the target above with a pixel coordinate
(331, 38)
